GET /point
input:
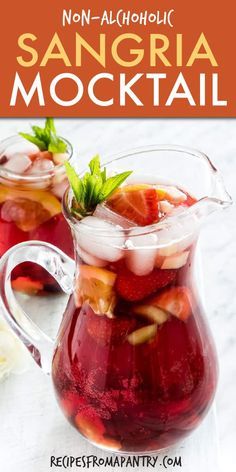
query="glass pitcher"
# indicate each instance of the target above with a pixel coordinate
(133, 378)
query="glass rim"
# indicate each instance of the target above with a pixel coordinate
(160, 147)
(163, 224)
(16, 176)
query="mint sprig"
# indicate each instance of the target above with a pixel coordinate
(94, 187)
(46, 138)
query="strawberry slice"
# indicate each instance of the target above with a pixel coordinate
(41, 155)
(104, 330)
(176, 301)
(134, 288)
(136, 203)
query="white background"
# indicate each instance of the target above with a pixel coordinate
(31, 426)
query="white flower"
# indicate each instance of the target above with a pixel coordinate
(13, 355)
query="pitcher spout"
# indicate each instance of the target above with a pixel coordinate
(219, 198)
(220, 194)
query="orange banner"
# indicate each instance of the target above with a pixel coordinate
(139, 59)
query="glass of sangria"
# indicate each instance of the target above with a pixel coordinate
(134, 365)
(32, 183)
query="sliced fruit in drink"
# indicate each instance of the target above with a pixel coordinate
(171, 194)
(95, 286)
(176, 261)
(134, 288)
(136, 203)
(166, 207)
(176, 300)
(60, 158)
(142, 335)
(152, 312)
(41, 155)
(161, 194)
(90, 424)
(26, 285)
(26, 214)
(27, 209)
(50, 202)
(105, 331)
(110, 443)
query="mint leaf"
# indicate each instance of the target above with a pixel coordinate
(46, 138)
(57, 145)
(104, 175)
(39, 133)
(50, 126)
(93, 187)
(75, 182)
(94, 165)
(113, 183)
(33, 139)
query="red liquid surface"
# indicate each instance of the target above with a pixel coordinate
(136, 396)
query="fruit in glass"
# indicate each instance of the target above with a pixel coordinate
(32, 183)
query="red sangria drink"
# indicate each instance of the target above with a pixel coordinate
(135, 368)
(32, 183)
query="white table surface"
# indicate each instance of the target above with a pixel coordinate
(31, 426)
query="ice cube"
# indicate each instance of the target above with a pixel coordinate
(22, 147)
(100, 238)
(178, 237)
(166, 207)
(41, 165)
(19, 163)
(89, 259)
(106, 214)
(141, 254)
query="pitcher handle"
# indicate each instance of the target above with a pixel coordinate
(60, 266)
